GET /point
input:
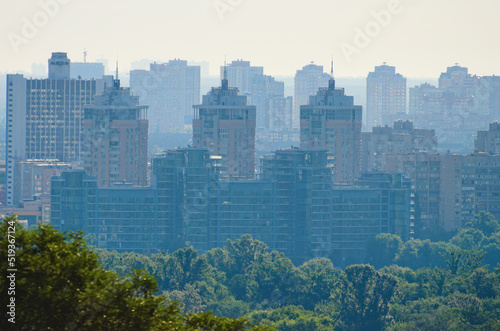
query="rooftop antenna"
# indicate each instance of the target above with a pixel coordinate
(85, 55)
(224, 79)
(331, 82)
(331, 68)
(117, 82)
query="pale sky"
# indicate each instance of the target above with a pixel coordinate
(420, 37)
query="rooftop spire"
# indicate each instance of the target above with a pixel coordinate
(331, 82)
(225, 84)
(117, 81)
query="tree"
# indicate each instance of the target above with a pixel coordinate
(364, 298)
(484, 222)
(382, 250)
(243, 253)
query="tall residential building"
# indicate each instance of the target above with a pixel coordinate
(251, 81)
(385, 96)
(332, 121)
(488, 141)
(264, 90)
(44, 117)
(170, 90)
(116, 138)
(281, 114)
(401, 138)
(225, 124)
(307, 82)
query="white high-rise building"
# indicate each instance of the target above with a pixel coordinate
(385, 96)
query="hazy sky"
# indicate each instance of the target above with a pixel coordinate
(420, 37)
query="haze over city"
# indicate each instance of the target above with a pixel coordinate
(419, 37)
(250, 165)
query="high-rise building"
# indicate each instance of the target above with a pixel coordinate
(44, 117)
(116, 137)
(225, 124)
(385, 96)
(332, 121)
(259, 88)
(307, 82)
(240, 74)
(170, 90)
(401, 138)
(281, 114)
(488, 141)
(264, 90)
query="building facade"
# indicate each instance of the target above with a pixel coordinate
(488, 141)
(116, 137)
(225, 124)
(401, 138)
(378, 203)
(332, 121)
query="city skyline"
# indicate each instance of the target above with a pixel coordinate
(361, 34)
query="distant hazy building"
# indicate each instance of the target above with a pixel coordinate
(332, 121)
(460, 106)
(307, 82)
(116, 138)
(260, 88)
(281, 113)
(225, 124)
(241, 75)
(385, 96)
(86, 70)
(401, 138)
(264, 90)
(44, 117)
(170, 90)
(488, 141)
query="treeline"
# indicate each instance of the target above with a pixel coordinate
(419, 285)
